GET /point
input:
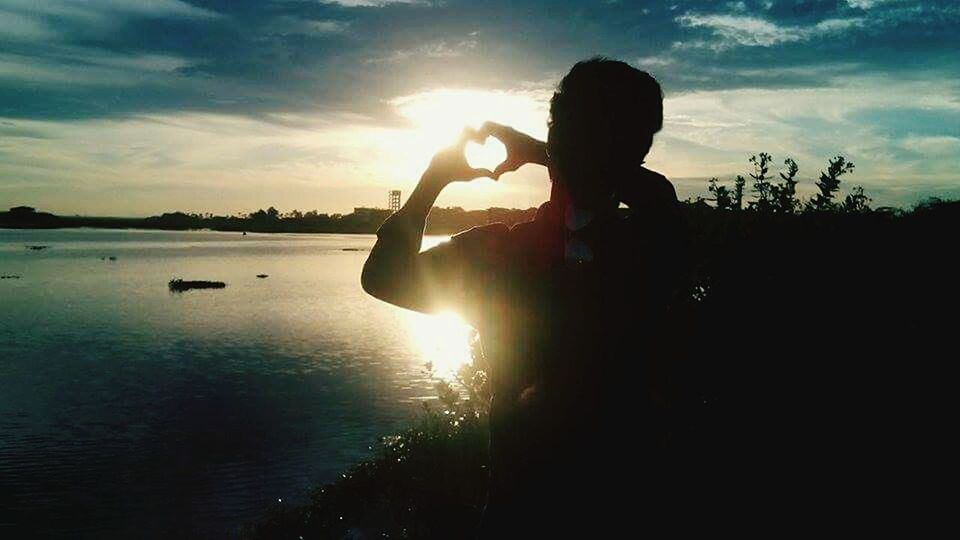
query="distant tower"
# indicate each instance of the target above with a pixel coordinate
(394, 200)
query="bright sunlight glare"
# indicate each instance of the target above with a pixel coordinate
(443, 341)
(486, 156)
(438, 117)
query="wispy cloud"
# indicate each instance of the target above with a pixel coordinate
(87, 66)
(288, 25)
(373, 3)
(435, 49)
(933, 147)
(20, 27)
(100, 8)
(867, 4)
(743, 30)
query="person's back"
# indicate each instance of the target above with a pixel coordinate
(580, 395)
(569, 306)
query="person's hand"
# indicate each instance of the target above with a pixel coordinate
(521, 148)
(450, 164)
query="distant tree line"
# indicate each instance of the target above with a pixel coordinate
(362, 220)
(768, 193)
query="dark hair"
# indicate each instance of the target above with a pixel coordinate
(603, 116)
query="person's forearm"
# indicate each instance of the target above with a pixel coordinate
(418, 205)
(398, 243)
(540, 157)
(395, 271)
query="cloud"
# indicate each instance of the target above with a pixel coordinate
(81, 66)
(936, 146)
(40, 21)
(14, 129)
(85, 9)
(435, 49)
(260, 59)
(372, 3)
(18, 27)
(288, 25)
(711, 133)
(734, 30)
(867, 4)
(654, 61)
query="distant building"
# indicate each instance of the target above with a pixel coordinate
(394, 201)
(364, 213)
(371, 214)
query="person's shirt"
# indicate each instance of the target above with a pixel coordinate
(570, 309)
(562, 297)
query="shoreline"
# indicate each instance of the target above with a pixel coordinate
(361, 221)
(145, 229)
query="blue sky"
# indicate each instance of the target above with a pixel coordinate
(134, 107)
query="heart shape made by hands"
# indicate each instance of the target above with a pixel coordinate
(487, 155)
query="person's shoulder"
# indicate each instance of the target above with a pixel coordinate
(658, 184)
(538, 218)
(483, 238)
(531, 231)
(488, 231)
(496, 236)
(648, 191)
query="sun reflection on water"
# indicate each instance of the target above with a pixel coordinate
(443, 340)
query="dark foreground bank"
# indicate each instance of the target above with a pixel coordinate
(811, 389)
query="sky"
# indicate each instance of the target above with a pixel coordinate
(137, 107)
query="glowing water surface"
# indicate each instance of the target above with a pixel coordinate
(128, 410)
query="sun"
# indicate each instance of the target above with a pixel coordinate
(438, 116)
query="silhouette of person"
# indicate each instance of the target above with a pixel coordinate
(569, 306)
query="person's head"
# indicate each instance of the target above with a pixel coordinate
(603, 116)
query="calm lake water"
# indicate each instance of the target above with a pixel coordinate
(130, 411)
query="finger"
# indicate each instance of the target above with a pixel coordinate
(492, 128)
(504, 168)
(483, 173)
(468, 134)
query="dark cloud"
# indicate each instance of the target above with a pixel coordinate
(259, 58)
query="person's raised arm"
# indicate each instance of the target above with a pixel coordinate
(395, 271)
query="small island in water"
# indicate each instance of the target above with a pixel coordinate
(180, 285)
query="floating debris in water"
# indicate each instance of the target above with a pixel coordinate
(179, 285)
(111, 258)
(261, 276)
(354, 249)
(37, 248)
(699, 292)
(9, 276)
